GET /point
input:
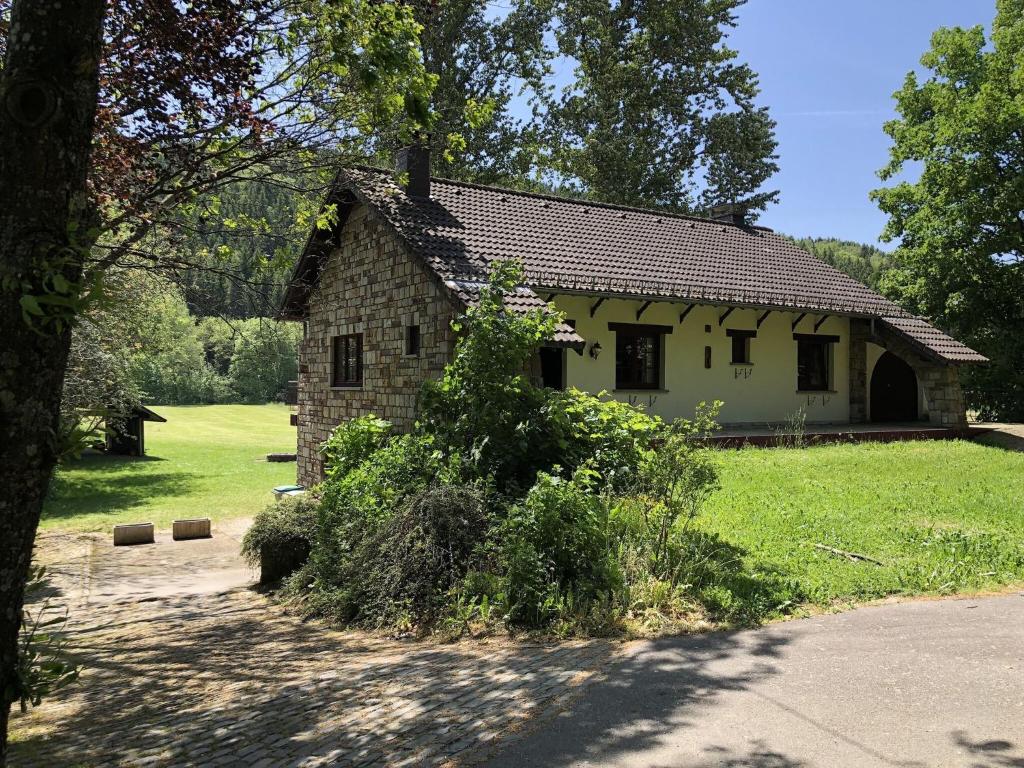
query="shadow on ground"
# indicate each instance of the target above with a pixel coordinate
(993, 753)
(72, 495)
(643, 699)
(224, 676)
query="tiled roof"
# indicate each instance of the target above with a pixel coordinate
(595, 248)
(574, 246)
(932, 341)
(523, 300)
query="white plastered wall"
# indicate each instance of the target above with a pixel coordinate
(764, 391)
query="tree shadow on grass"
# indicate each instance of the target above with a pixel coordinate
(191, 682)
(100, 492)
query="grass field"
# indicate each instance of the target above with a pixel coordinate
(206, 461)
(941, 517)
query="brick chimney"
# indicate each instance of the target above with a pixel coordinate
(729, 213)
(414, 160)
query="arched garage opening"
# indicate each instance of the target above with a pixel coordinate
(893, 390)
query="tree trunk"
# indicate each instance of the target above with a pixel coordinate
(48, 92)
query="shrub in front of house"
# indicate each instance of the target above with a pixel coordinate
(520, 507)
(281, 536)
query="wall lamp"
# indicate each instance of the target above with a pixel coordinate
(595, 349)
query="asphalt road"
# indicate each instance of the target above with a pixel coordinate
(929, 683)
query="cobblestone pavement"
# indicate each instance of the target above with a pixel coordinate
(179, 670)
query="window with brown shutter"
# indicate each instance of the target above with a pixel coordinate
(347, 369)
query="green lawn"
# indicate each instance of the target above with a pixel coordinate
(941, 516)
(206, 461)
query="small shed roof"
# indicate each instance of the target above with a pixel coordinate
(146, 414)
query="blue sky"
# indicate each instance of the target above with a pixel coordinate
(828, 69)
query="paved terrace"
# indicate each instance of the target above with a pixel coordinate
(185, 665)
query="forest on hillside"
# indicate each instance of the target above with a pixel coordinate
(864, 263)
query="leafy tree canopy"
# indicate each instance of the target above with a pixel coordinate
(961, 222)
(660, 112)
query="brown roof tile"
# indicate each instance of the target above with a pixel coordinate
(523, 300)
(596, 248)
(932, 341)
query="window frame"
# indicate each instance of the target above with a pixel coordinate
(741, 337)
(341, 377)
(413, 340)
(826, 344)
(653, 333)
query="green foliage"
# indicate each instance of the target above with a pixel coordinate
(356, 508)
(264, 359)
(553, 544)
(659, 112)
(353, 442)
(865, 263)
(608, 435)
(170, 362)
(961, 253)
(482, 57)
(42, 666)
(484, 408)
(282, 531)
(99, 388)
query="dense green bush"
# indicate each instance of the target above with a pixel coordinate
(518, 505)
(415, 558)
(555, 543)
(352, 443)
(281, 536)
(609, 436)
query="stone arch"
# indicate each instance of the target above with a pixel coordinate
(894, 390)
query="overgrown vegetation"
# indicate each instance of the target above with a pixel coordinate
(515, 506)
(43, 665)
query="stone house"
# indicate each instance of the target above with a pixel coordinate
(661, 310)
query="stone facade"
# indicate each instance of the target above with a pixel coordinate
(940, 383)
(860, 334)
(373, 286)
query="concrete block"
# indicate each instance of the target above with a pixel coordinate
(133, 533)
(198, 528)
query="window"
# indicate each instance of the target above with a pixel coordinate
(740, 345)
(814, 362)
(412, 339)
(348, 361)
(638, 355)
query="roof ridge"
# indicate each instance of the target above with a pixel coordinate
(575, 200)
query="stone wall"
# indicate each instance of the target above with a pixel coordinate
(370, 285)
(860, 334)
(943, 398)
